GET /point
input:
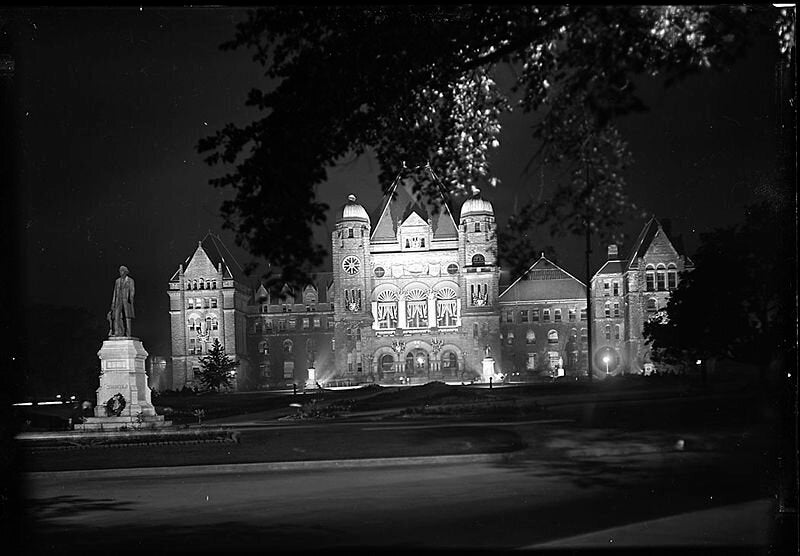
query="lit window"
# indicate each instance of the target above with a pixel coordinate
(510, 338)
(523, 316)
(650, 278)
(552, 337)
(530, 337)
(652, 305)
(557, 315)
(190, 304)
(288, 346)
(530, 363)
(306, 324)
(317, 322)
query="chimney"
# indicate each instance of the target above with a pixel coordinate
(613, 253)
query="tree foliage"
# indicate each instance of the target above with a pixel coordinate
(418, 85)
(217, 368)
(740, 300)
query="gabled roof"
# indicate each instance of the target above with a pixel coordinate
(321, 282)
(400, 202)
(212, 249)
(614, 266)
(645, 239)
(544, 280)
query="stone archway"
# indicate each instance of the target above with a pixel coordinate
(417, 365)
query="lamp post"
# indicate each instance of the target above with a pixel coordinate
(606, 359)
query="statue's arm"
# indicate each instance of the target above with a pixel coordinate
(133, 289)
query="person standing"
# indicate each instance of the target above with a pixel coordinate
(122, 303)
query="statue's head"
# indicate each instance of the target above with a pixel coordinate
(123, 271)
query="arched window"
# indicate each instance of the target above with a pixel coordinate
(552, 337)
(387, 309)
(477, 226)
(530, 337)
(387, 362)
(510, 338)
(652, 305)
(672, 276)
(650, 278)
(608, 332)
(202, 284)
(288, 346)
(557, 315)
(617, 330)
(446, 307)
(661, 278)
(478, 260)
(449, 362)
(263, 347)
(416, 308)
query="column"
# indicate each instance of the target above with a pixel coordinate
(431, 310)
(401, 310)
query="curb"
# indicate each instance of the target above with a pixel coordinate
(191, 470)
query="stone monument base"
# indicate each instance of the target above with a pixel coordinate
(488, 368)
(122, 373)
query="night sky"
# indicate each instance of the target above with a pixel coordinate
(110, 105)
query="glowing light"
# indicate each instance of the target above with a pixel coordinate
(699, 362)
(23, 403)
(58, 396)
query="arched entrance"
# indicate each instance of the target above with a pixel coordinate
(417, 364)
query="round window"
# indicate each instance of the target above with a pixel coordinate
(452, 269)
(351, 265)
(379, 271)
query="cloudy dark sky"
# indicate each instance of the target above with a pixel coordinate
(109, 106)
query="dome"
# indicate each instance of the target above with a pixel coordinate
(353, 211)
(476, 205)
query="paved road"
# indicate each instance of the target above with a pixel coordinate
(529, 500)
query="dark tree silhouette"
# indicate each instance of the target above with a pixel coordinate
(740, 300)
(415, 85)
(217, 368)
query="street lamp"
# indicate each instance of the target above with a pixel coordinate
(606, 359)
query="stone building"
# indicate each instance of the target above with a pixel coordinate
(416, 293)
(543, 323)
(208, 300)
(413, 296)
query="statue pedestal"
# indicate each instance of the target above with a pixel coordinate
(122, 372)
(488, 368)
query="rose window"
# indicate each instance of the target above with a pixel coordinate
(351, 265)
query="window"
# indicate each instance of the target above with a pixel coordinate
(583, 313)
(475, 330)
(214, 324)
(190, 303)
(258, 327)
(268, 326)
(351, 265)
(510, 338)
(330, 323)
(572, 314)
(523, 316)
(652, 305)
(661, 278)
(213, 302)
(606, 289)
(530, 362)
(387, 309)
(616, 308)
(534, 315)
(306, 324)
(281, 325)
(617, 329)
(379, 272)
(206, 303)
(607, 309)
(510, 316)
(317, 322)
(552, 337)
(349, 232)
(450, 362)
(608, 332)
(446, 307)
(192, 343)
(202, 284)
(672, 276)
(452, 269)
(650, 278)
(584, 336)
(213, 284)
(557, 315)
(195, 372)
(546, 315)
(263, 347)
(479, 294)
(615, 286)
(292, 324)
(530, 337)
(478, 260)
(288, 346)
(416, 308)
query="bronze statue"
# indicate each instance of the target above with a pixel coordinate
(122, 311)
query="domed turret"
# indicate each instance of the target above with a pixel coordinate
(354, 211)
(476, 205)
